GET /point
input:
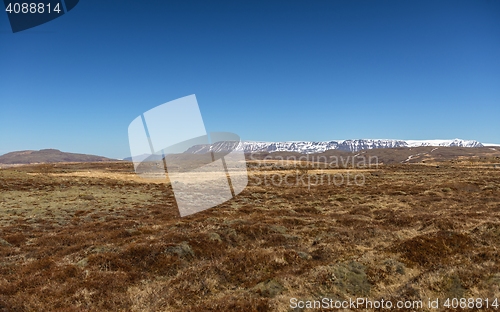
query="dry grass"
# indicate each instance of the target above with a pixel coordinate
(93, 237)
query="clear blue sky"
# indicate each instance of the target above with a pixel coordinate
(266, 70)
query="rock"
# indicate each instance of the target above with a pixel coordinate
(304, 255)
(82, 263)
(183, 250)
(351, 278)
(269, 288)
(214, 237)
(3, 242)
(394, 266)
(278, 229)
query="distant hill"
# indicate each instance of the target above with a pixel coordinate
(48, 156)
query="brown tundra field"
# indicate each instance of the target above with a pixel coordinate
(95, 237)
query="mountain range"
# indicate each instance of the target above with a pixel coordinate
(303, 147)
(307, 147)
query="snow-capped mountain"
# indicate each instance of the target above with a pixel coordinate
(306, 147)
(455, 142)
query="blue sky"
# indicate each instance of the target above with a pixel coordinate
(266, 70)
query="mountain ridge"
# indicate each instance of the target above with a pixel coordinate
(310, 147)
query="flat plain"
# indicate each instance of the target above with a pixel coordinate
(95, 237)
